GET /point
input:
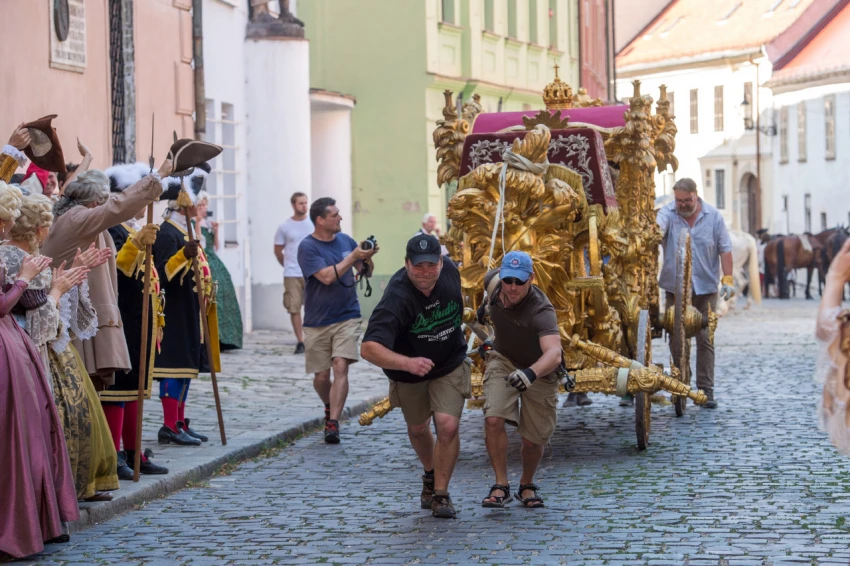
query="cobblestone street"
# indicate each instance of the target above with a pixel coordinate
(753, 482)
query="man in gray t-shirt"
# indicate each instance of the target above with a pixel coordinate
(521, 365)
(711, 249)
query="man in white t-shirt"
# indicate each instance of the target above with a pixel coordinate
(286, 241)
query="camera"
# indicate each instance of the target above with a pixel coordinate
(369, 243)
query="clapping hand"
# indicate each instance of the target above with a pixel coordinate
(91, 258)
(32, 266)
(64, 281)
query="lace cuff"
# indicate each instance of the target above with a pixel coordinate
(15, 154)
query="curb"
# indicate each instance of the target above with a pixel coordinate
(91, 516)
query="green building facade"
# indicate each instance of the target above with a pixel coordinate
(397, 57)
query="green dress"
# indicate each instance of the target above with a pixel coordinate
(229, 316)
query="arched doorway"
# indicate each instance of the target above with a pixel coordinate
(749, 203)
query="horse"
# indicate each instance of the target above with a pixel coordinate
(840, 233)
(834, 243)
(745, 272)
(785, 253)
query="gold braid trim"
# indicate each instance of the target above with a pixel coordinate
(8, 166)
(178, 262)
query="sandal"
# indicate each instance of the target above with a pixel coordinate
(427, 491)
(441, 505)
(533, 502)
(501, 500)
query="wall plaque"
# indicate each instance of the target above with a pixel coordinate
(68, 20)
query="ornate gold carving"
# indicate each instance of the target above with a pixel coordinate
(649, 380)
(551, 121)
(378, 411)
(558, 95)
(449, 136)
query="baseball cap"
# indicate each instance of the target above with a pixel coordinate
(423, 247)
(516, 264)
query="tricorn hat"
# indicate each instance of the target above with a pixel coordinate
(45, 150)
(185, 154)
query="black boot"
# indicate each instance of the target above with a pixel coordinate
(146, 466)
(125, 472)
(168, 436)
(185, 426)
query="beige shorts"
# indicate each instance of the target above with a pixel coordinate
(442, 395)
(533, 411)
(324, 343)
(293, 294)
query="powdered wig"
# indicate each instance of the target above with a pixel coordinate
(203, 196)
(90, 187)
(36, 212)
(10, 202)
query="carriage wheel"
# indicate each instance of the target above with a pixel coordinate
(643, 354)
(679, 349)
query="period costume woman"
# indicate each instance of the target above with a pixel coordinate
(229, 317)
(51, 317)
(833, 368)
(38, 486)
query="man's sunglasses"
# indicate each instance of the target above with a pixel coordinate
(514, 281)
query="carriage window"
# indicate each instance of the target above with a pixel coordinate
(801, 131)
(718, 109)
(823, 221)
(720, 188)
(807, 211)
(829, 115)
(694, 112)
(783, 134)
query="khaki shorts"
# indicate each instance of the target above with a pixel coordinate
(324, 343)
(533, 410)
(442, 395)
(293, 294)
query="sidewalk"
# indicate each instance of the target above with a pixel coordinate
(265, 396)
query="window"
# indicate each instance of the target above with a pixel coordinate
(807, 211)
(707, 178)
(489, 16)
(512, 19)
(448, 14)
(718, 109)
(532, 21)
(553, 24)
(784, 203)
(221, 182)
(829, 116)
(823, 221)
(694, 112)
(748, 96)
(783, 134)
(720, 188)
(672, 100)
(801, 131)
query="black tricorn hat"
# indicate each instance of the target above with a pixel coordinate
(45, 150)
(185, 154)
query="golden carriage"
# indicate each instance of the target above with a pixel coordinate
(573, 185)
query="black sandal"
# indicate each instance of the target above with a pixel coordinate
(501, 501)
(427, 491)
(533, 502)
(441, 505)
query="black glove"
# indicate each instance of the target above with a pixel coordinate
(521, 379)
(480, 314)
(485, 347)
(190, 250)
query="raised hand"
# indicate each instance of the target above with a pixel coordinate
(20, 137)
(84, 151)
(32, 266)
(64, 281)
(165, 169)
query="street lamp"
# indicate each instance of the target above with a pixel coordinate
(746, 112)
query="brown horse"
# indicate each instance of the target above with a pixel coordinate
(784, 253)
(829, 239)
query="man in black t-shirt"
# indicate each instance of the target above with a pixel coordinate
(414, 335)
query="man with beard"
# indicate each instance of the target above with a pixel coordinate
(711, 249)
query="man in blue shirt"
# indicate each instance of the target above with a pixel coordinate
(331, 309)
(711, 249)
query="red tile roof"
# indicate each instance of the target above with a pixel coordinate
(825, 53)
(690, 28)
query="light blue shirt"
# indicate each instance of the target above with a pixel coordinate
(709, 239)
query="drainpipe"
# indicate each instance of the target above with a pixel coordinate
(611, 41)
(198, 57)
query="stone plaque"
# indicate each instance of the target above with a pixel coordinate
(68, 19)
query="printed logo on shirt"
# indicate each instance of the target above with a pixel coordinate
(439, 323)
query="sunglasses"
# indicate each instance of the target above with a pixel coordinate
(514, 281)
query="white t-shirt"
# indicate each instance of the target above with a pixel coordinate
(289, 235)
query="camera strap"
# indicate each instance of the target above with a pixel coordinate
(367, 293)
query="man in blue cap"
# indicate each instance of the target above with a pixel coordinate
(520, 365)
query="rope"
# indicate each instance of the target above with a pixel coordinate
(509, 158)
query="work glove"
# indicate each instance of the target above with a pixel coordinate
(146, 236)
(521, 379)
(485, 347)
(727, 287)
(481, 313)
(190, 250)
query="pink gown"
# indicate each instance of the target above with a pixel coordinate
(37, 491)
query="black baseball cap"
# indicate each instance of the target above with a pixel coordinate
(423, 247)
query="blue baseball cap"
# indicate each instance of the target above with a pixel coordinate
(516, 264)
